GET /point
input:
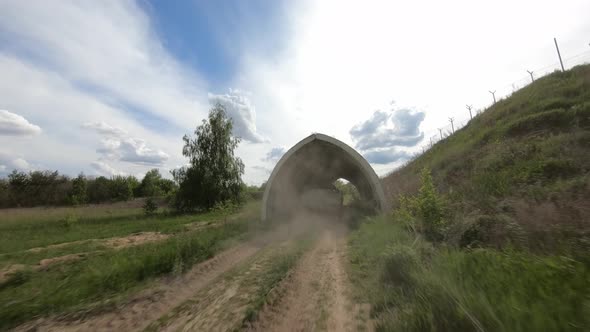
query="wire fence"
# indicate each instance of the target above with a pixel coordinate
(433, 136)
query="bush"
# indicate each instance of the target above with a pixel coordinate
(150, 207)
(426, 212)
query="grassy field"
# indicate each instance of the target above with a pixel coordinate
(415, 286)
(68, 260)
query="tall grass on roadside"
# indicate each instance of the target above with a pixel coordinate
(413, 287)
(68, 287)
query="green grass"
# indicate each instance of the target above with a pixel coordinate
(39, 231)
(413, 286)
(108, 274)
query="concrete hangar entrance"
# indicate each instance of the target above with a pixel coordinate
(315, 163)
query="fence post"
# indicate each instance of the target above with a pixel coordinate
(493, 95)
(558, 54)
(452, 125)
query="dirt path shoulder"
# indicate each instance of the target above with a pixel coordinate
(140, 310)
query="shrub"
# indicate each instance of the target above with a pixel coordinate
(426, 212)
(150, 207)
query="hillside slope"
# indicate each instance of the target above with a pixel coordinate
(521, 166)
(490, 227)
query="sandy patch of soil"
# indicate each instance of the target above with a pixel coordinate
(134, 239)
(9, 270)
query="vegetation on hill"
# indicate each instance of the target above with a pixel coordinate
(491, 226)
(518, 173)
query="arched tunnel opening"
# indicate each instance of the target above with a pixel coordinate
(305, 177)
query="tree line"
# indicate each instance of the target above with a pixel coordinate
(49, 188)
(212, 177)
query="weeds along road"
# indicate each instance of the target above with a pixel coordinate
(292, 278)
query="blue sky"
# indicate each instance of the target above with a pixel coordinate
(207, 35)
(110, 87)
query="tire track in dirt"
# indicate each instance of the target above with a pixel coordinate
(147, 306)
(316, 294)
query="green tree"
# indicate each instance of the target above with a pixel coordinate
(134, 184)
(18, 184)
(120, 188)
(150, 185)
(214, 174)
(79, 194)
(4, 193)
(99, 190)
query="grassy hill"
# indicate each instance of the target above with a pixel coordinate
(523, 164)
(491, 227)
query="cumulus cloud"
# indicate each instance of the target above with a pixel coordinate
(9, 162)
(274, 154)
(385, 156)
(105, 129)
(116, 144)
(383, 133)
(15, 125)
(105, 169)
(387, 129)
(114, 49)
(240, 109)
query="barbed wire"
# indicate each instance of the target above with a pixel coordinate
(447, 129)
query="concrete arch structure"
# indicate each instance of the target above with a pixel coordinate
(316, 162)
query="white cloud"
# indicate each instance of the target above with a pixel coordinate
(240, 109)
(110, 67)
(110, 47)
(388, 129)
(385, 156)
(116, 144)
(275, 154)
(105, 129)
(12, 124)
(9, 162)
(332, 73)
(105, 169)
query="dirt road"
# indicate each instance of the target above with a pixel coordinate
(218, 294)
(316, 295)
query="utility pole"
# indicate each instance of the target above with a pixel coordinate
(493, 95)
(452, 125)
(440, 131)
(469, 107)
(423, 150)
(431, 142)
(531, 73)
(558, 54)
